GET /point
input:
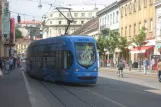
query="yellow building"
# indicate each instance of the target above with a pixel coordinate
(22, 45)
(135, 14)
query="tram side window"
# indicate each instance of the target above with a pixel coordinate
(51, 60)
(68, 59)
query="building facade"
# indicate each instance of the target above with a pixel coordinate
(109, 17)
(22, 44)
(135, 14)
(158, 27)
(30, 28)
(55, 24)
(7, 30)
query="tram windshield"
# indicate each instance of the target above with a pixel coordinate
(85, 53)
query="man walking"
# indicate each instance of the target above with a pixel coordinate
(159, 70)
(145, 64)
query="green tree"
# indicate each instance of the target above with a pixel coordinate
(102, 44)
(112, 41)
(107, 41)
(122, 45)
(139, 41)
(18, 33)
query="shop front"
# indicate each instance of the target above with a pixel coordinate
(138, 54)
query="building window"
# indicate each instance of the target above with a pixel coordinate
(75, 22)
(125, 31)
(151, 2)
(75, 14)
(145, 3)
(139, 4)
(110, 19)
(151, 25)
(117, 17)
(51, 22)
(60, 15)
(130, 8)
(130, 31)
(50, 31)
(59, 31)
(59, 22)
(82, 14)
(113, 18)
(68, 14)
(90, 14)
(135, 6)
(50, 15)
(105, 21)
(134, 29)
(140, 26)
(145, 25)
(100, 22)
(122, 12)
(125, 10)
(121, 31)
(82, 22)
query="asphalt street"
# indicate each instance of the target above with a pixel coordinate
(110, 91)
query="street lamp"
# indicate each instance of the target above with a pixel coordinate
(40, 5)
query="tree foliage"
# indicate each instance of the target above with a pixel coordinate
(139, 39)
(123, 44)
(112, 41)
(107, 41)
(18, 33)
(102, 44)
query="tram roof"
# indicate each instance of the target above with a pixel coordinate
(44, 41)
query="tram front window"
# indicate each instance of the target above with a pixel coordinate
(85, 53)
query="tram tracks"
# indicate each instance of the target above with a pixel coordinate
(46, 85)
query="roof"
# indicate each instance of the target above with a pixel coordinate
(93, 24)
(30, 22)
(107, 8)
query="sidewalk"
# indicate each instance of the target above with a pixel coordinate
(13, 91)
(135, 71)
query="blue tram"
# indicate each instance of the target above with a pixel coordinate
(64, 58)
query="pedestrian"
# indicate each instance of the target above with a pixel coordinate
(1, 73)
(1, 64)
(7, 63)
(11, 63)
(130, 65)
(159, 70)
(145, 64)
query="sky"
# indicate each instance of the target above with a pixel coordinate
(31, 10)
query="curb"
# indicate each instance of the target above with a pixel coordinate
(140, 75)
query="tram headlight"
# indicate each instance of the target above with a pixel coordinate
(77, 69)
(95, 69)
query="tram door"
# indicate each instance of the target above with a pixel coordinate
(59, 62)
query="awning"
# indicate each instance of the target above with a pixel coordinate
(142, 49)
